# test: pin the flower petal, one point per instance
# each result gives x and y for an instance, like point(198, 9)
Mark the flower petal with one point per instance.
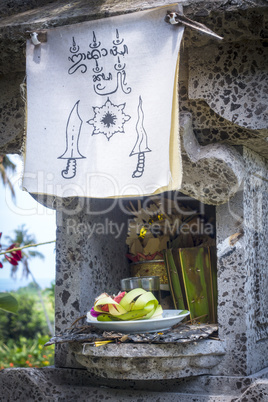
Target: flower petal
point(114, 307)
point(94, 313)
point(11, 260)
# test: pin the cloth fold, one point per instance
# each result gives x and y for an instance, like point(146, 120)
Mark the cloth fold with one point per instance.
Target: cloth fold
point(102, 108)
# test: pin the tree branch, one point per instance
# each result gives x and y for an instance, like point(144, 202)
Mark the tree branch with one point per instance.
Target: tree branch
point(27, 246)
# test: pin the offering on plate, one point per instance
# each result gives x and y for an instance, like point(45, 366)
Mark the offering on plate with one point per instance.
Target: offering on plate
point(138, 304)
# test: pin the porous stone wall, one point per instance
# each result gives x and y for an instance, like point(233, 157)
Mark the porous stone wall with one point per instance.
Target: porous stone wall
point(212, 173)
point(222, 83)
point(215, 81)
point(12, 114)
point(242, 273)
point(89, 260)
point(86, 262)
point(223, 88)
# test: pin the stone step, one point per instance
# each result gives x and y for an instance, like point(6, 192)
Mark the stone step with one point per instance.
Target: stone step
point(70, 394)
point(257, 392)
point(68, 385)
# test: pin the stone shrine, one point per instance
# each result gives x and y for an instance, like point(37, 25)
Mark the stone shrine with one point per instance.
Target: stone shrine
point(223, 95)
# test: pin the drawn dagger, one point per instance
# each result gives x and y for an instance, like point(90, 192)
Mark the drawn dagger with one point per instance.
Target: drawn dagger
point(72, 153)
point(141, 145)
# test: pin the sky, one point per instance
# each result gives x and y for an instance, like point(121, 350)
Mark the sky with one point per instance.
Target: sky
point(40, 222)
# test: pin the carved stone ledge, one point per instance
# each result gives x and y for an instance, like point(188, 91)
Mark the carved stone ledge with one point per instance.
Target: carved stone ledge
point(213, 173)
point(151, 361)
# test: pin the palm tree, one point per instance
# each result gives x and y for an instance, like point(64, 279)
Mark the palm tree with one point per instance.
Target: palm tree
point(5, 166)
point(23, 238)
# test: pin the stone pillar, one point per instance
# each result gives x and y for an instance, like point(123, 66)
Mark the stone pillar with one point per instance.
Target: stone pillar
point(90, 259)
point(11, 113)
point(242, 272)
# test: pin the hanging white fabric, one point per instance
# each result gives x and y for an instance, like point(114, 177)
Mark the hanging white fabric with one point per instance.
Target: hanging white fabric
point(102, 111)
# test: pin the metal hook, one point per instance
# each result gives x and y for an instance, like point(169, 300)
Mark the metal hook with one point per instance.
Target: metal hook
point(178, 18)
point(34, 39)
point(37, 37)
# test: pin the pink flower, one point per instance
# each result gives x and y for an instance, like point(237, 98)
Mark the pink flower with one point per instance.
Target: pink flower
point(94, 313)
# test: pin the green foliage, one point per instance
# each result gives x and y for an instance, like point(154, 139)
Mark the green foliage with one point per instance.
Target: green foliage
point(24, 238)
point(29, 290)
point(23, 335)
point(26, 353)
point(7, 166)
point(28, 321)
point(8, 303)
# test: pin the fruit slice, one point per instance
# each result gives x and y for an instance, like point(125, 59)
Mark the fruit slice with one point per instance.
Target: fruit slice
point(114, 308)
point(138, 304)
point(129, 298)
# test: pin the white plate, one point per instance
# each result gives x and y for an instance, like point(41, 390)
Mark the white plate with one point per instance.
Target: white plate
point(169, 318)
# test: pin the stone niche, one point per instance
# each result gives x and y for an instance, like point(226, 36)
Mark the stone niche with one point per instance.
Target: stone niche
point(89, 262)
point(223, 90)
point(86, 262)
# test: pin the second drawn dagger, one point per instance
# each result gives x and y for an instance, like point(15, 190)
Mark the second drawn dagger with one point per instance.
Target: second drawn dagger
point(141, 145)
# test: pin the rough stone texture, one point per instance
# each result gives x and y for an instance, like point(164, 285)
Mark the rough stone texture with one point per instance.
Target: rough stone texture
point(51, 384)
point(242, 273)
point(211, 173)
point(212, 90)
point(85, 264)
point(256, 257)
point(228, 94)
point(258, 391)
point(11, 113)
point(147, 362)
point(90, 257)
point(232, 79)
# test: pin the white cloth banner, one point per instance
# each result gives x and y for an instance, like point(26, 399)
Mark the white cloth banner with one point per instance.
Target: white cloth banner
point(102, 116)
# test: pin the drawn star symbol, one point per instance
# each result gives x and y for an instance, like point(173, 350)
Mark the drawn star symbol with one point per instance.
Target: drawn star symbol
point(109, 119)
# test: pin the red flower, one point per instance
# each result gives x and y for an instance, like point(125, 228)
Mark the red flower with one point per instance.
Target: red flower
point(1, 265)
point(11, 260)
point(15, 256)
